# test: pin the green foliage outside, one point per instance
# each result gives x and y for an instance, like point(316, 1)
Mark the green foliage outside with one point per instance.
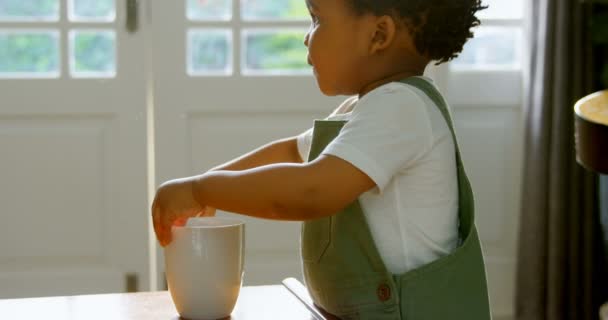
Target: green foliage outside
point(94, 52)
point(209, 9)
point(25, 53)
point(282, 51)
point(50, 8)
point(93, 8)
point(29, 8)
point(277, 51)
point(273, 9)
point(251, 9)
point(209, 52)
point(40, 53)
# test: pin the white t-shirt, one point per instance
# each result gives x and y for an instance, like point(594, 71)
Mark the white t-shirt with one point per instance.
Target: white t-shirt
point(398, 137)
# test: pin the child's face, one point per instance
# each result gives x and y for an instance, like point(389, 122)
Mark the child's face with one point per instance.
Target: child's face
point(337, 46)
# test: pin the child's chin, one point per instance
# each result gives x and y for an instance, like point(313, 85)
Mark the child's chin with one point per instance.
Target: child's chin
point(329, 94)
point(333, 93)
point(326, 91)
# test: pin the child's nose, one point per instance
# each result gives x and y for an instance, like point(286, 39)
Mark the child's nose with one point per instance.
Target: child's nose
point(306, 39)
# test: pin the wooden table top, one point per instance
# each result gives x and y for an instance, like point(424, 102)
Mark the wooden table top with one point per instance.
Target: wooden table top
point(254, 303)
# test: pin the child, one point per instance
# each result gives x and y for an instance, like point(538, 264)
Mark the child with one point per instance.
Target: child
point(386, 206)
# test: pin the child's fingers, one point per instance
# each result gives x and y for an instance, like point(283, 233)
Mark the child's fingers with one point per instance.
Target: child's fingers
point(180, 222)
point(166, 221)
point(206, 212)
point(160, 228)
point(209, 212)
point(156, 222)
point(165, 238)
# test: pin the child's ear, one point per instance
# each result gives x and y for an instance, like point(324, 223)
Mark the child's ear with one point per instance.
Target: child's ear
point(383, 33)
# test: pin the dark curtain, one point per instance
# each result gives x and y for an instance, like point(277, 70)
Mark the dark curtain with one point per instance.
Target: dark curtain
point(604, 210)
point(561, 272)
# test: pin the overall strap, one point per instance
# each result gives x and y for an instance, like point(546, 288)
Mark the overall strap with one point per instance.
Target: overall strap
point(467, 213)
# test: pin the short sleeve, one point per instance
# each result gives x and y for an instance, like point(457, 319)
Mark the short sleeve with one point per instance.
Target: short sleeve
point(389, 131)
point(304, 141)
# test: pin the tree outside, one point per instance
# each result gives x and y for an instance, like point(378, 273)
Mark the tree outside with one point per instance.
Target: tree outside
point(35, 52)
point(31, 9)
point(29, 53)
point(94, 52)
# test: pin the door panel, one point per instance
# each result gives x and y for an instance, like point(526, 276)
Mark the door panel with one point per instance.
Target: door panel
point(73, 147)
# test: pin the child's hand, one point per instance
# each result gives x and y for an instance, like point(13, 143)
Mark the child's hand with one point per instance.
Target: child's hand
point(173, 204)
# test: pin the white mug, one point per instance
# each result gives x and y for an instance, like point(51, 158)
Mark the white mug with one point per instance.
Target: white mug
point(204, 266)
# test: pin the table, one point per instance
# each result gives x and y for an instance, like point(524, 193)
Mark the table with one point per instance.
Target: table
point(254, 303)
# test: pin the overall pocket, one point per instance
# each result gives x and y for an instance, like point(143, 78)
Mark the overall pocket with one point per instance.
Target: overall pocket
point(316, 237)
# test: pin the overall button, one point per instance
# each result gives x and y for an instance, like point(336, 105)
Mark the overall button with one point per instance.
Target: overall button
point(384, 292)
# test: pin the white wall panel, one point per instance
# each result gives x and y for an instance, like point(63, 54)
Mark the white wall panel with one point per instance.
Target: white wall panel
point(490, 141)
point(56, 197)
point(54, 170)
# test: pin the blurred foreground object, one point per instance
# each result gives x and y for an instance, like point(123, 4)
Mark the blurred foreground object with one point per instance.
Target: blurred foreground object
point(591, 131)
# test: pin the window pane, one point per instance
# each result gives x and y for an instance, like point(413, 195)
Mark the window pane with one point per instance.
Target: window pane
point(29, 10)
point(269, 52)
point(502, 9)
point(92, 53)
point(209, 10)
point(274, 10)
point(492, 48)
point(209, 52)
point(29, 54)
point(92, 10)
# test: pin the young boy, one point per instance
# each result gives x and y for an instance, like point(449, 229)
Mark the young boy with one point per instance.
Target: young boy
point(387, 209)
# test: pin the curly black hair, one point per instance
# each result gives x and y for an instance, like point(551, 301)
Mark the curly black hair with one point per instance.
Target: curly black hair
point(440, 27)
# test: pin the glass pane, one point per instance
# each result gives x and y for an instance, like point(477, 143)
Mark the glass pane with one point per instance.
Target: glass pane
point(209, 10)
point(209, 52)
point(274, 52)
point(274, 10)
point(92, 53)
point(502, 9)
point(492, 48)
point(29, 10)
point(92, 10)
point(29, 54)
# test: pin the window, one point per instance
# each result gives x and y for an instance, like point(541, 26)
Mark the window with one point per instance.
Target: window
point(489, 71)
point(260, 37)
point(33, 38)
point(498, 41)
point(264, 37)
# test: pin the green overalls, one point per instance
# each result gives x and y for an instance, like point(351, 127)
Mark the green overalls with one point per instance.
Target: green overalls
point(346, 276)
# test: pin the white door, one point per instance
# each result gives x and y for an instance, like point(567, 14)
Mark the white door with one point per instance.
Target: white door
point(231, 75)
point(72, 148)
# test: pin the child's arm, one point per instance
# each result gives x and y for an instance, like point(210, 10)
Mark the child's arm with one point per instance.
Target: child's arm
point(281, 191)
point(279, 151)
point(284, 191)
